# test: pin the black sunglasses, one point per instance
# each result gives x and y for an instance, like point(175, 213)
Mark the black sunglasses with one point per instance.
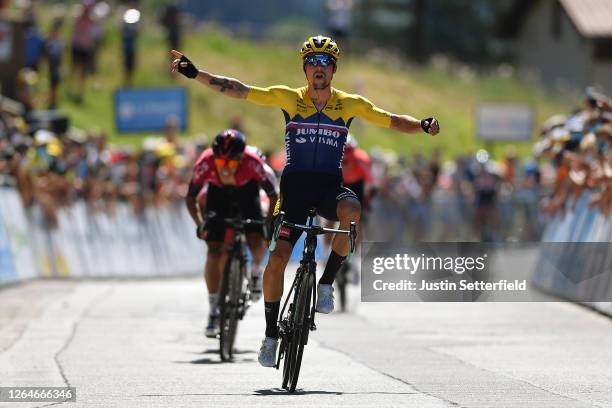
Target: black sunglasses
point(323, 60)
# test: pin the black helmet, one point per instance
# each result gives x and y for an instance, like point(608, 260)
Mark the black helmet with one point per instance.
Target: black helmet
point(228, 144)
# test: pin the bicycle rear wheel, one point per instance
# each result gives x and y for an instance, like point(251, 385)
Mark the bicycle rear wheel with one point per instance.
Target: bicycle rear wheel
point(229, 305)
point(302, 321)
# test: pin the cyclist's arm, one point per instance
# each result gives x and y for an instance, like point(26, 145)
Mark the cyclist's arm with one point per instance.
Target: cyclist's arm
point(406, 124)
point(192, 203)
point(228, 86)
point(266, 178)
point(402, 123)
point(277, 95)
point(280, 96)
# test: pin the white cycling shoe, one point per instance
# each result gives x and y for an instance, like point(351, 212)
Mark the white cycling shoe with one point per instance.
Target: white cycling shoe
point(267, 352)
point(325, 298)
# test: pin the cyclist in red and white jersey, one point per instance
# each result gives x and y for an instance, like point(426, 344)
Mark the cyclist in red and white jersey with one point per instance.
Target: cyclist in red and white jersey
point(224, 175)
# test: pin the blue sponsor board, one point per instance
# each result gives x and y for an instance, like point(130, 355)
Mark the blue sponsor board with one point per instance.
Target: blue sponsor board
point(7, 267)
point(148, 109)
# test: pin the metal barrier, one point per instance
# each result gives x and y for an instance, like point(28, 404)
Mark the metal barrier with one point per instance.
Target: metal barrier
point(96, 244)
point(574, 261)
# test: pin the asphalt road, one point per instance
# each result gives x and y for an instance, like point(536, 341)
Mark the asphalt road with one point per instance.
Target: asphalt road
point(140, 343)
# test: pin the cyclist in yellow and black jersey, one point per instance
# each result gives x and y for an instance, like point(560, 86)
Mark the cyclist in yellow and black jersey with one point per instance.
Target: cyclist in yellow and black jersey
point(317, 119)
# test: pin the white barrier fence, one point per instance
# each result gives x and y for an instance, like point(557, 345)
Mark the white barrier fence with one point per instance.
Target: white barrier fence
point(159, 242)
point(577, 262)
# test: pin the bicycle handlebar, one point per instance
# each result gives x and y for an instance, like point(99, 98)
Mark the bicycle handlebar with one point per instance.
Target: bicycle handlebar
point(316, 230)
point(236, 222)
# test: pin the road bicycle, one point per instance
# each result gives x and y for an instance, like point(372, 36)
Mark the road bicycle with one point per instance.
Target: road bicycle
point(234, 296)
point(295, 325)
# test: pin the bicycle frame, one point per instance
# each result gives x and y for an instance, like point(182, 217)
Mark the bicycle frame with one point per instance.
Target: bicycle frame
point(307, 265)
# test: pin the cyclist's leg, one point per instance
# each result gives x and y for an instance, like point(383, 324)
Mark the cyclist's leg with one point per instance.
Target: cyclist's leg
point(213, 269)
point(250, 207)
point(344, 206)
point(295, 202)
point(359, 189)
point(327, 238)
point(216, 201)
point(273, 279)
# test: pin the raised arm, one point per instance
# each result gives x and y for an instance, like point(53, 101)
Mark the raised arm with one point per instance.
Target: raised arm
point(402, 123)
point(228, 86)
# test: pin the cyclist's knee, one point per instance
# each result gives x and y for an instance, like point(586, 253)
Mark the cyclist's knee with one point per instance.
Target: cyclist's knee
point(349, 209)
point(280, 256)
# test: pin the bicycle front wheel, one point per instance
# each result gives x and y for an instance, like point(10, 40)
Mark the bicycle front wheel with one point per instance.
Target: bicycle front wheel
point(303, 320)
point(229, 305)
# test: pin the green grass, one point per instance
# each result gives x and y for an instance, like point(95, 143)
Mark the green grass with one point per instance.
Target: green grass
point(398, 87)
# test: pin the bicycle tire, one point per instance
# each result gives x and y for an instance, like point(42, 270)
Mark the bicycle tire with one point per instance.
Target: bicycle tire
point(287, 341)
point(229, 307)
point(303, 317)
point(341, 282)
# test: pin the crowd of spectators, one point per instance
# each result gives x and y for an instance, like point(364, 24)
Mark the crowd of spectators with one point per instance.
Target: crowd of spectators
point(469, 198)
point(54, 170)
point(579, 146)
point(76, 35)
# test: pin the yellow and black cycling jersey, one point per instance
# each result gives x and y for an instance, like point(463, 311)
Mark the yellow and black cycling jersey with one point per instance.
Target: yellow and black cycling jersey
point(315, 140)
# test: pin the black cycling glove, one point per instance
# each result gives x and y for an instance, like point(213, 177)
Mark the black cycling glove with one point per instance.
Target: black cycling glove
point(426, 124)
point(189, 70)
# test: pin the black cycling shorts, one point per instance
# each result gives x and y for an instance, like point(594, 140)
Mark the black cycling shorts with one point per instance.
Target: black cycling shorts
point(301, 191)
point(359, 189)
point(221, 200)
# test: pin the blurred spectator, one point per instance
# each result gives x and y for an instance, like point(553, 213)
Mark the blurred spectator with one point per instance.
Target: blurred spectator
point(84, 37)
point(340, 13)
point(34, 43)
point(129, 37)
point(100, 12)
point(486, 188)
point(170, 19)
point(54, 50)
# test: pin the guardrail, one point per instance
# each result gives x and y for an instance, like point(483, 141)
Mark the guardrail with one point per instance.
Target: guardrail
point(160, 242)
point(574, 261)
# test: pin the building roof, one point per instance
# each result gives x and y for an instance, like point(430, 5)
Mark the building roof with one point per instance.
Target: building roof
point(592, 18)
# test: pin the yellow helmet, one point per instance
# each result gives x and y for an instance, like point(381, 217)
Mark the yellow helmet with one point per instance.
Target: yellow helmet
point(322, 44)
